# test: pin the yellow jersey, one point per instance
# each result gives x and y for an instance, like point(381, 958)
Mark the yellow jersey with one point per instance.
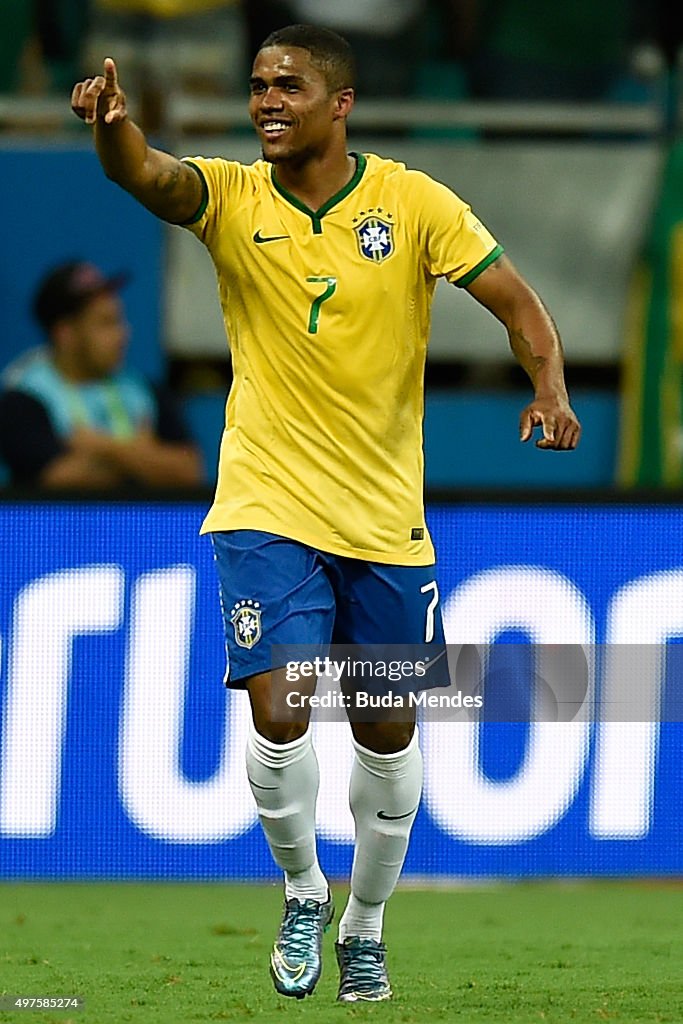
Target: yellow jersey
point(327, 314)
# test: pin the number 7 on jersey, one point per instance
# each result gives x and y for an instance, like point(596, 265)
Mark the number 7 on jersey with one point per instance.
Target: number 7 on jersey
point(331, 288)
point(431, 608)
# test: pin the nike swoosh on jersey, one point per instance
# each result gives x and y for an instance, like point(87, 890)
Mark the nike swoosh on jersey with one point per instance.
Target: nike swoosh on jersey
point(260, 239)
point(395, 817)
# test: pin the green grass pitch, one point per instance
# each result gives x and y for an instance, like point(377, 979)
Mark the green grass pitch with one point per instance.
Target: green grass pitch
point(163, 953)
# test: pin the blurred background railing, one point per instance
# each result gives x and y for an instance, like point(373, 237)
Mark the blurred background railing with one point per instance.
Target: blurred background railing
point(187, 113)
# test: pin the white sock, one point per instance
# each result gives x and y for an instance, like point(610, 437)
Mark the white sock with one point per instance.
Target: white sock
point(284, 779)
point(389, 785)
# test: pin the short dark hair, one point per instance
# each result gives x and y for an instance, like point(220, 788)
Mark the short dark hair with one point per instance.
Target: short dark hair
point(330, 52)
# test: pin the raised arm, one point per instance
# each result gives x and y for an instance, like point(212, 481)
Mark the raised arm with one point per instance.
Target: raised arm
point(169, 188)
point(536, 344)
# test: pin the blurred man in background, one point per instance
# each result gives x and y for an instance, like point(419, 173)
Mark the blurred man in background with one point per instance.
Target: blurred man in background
point(70, 416)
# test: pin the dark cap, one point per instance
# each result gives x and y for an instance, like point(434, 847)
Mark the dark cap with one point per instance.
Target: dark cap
point(68, 288)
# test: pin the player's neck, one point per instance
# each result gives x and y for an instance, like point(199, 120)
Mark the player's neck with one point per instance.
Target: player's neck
point(318, 178)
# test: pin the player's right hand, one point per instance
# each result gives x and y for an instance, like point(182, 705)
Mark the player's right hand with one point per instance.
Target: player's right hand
point(100, 97)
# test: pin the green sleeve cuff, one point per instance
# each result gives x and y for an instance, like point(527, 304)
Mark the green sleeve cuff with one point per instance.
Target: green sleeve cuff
point(476, 271)
point(201, 210)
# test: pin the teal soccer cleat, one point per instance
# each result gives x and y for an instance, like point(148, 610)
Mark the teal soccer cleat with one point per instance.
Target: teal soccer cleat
point(296, 959)
point(363, 974)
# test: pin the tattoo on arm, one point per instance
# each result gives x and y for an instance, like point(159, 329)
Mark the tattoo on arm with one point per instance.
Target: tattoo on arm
point(521, 347)
point(172, 191)
point(167, 179)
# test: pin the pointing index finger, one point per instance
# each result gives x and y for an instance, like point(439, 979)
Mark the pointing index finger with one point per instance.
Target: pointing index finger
point(110, 75)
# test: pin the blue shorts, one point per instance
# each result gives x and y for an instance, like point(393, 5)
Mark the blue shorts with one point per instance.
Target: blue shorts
point(277, 592)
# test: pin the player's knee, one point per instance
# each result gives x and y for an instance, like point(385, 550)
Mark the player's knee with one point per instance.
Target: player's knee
point(384, 737)
point(281, 732)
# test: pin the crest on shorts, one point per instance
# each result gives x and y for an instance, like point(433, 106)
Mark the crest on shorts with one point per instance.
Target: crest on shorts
point(375, 239)
point(246, 619)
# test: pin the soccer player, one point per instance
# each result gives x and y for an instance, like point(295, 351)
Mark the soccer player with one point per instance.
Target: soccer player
point(327, 262)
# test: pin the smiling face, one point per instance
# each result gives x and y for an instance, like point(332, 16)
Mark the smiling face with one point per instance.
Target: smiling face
point(295, 113)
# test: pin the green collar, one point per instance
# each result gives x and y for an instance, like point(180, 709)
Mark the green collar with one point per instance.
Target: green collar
point(317, 215)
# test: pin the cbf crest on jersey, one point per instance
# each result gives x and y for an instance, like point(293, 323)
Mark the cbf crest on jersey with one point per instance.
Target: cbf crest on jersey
point(375, 238)
point(246, 619)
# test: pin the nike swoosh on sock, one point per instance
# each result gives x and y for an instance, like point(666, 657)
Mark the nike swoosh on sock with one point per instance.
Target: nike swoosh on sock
point(395, 817)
